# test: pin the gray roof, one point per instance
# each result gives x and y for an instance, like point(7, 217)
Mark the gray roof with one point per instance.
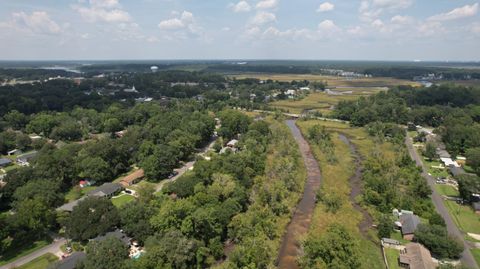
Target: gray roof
point(117, 234)
point(106, 189)
point(456, 171)
point(5, 161)
point(409, 223)
point(71, 261)
point(69, 206)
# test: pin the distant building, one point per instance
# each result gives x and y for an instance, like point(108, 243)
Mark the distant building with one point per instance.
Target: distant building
point(408, 223)
point(132, 90)
point(132, 178)
point(70, 262)
point(154, 69)
point(456, 171)
point(106, 190)
point(416, 256)
point(119, 234)
point(232, 143)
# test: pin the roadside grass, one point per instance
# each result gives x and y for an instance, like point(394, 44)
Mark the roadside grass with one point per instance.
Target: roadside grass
point(444, 189)
point(335, 180)
point(14, 253)
point(392, 258)
point(331, 80)
point(435, 172)
point(41, 262)
point(476, 254)
point(122, 200)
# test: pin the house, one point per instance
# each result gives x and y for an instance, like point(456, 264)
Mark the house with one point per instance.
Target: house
point(35, 137)
point(449, 161)
point(5, 162)
point(132, 178)
point(70, 262)
point(84, 183)
point(107, 190)
point(290, 93)
point(132, 90)
point(408, 224)
point(70, 206)
point(119, 234)
point(25, 159)
point(456, 171)
point(13, 152)
point(304, 88)
point(415, 256)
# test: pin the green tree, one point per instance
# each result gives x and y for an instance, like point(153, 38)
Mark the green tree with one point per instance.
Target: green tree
point(135, 220)
point(438, 241)
point(385, 227)
point(95, 168)
point(33, 216)
point(106, 254)
point(15, 119)
point(23, 141)
point(473, 159)
point(91, 217)
point(112, 125)
point(468, 185)
point(161, 164)
point(430, 151)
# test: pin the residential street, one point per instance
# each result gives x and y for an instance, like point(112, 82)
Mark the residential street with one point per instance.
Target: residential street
point(52, 248)
point(467, 257)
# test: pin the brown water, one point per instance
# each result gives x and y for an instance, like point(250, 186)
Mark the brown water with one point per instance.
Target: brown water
point(298, 226)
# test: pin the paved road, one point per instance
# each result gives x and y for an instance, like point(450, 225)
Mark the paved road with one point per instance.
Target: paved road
point(52, 248)
point(467, 258)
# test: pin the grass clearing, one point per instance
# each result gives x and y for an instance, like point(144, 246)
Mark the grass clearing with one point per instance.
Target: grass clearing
point(16, 252)
point(476, 254)
point(331, 80)
point(392, 257)
point(336, 181)
point(122, 200)
point(41, 262)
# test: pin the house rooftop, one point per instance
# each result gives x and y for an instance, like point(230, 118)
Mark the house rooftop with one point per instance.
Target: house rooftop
point(105, 190)
point(27, 156)
point(409, 223)
point(119, 234)
point(456, 171)
point(71, 261)
point(134, 176)
point(416, 256)
point(69, 206)
point(5, 161)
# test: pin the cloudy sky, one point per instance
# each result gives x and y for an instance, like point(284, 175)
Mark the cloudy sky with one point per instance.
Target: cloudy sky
point(240, 29)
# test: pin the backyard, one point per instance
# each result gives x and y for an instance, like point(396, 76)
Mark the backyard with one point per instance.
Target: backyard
point(121, 200)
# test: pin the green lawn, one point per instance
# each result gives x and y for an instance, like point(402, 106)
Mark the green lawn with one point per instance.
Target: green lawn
point(121, 200)
point(435, 172)
point(392, 258)
point(76, 193)
point(398, 236)
point(476, 254)
point(464, 216)
point(16, 252)
point(41, 262)
point(447, 190)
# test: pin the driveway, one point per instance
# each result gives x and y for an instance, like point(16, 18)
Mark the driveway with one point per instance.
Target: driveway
point(52, 248)
point(467, 257)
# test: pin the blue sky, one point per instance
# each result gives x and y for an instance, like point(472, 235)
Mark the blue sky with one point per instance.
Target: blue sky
point(240, 29)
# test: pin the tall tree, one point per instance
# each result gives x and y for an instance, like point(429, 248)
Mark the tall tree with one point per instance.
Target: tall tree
point(106, 254)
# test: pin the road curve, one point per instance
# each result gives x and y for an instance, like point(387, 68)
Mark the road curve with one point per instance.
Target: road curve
point(467, 257)
point(52, 248)
point(298, 226)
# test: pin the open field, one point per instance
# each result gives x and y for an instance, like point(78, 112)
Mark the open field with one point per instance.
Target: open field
point(321, 101)
point(335, 178)
point(476, 254)
point(41, 262)
point(333, 81)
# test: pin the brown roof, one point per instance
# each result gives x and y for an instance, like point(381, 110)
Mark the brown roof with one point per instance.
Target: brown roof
point(133, 176)
point(416, 256)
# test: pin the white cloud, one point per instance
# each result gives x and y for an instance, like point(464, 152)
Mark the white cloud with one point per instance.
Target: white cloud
point(263, 18)
point(371, 10)
point(267, 4)
point(171, 24)
point(430, 28)
point(457, 13)
point(398, 19)
point(38, 22)
point(324, 7)
point(327, 26)
point(104, 11)
point(241, 6)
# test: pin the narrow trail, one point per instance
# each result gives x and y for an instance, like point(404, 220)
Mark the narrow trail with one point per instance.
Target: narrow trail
point(356, 188)
point(302, 218)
